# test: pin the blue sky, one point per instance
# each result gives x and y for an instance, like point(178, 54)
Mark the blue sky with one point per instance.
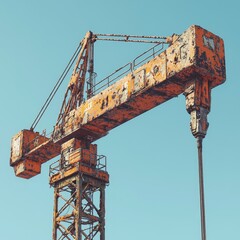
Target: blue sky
point(152, 160)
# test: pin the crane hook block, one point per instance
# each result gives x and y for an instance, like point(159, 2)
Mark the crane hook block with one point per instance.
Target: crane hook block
point(198, 102)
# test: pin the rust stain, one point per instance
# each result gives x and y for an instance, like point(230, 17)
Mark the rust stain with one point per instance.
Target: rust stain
point(196, 54)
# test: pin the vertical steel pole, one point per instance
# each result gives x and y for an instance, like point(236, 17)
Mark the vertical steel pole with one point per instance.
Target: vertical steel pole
point(78, 202)
point(201, 188)
point(102, 212)
point(55, 210)
point(90, 82)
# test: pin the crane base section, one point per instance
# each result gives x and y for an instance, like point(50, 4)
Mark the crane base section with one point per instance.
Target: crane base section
point(79, 208)
point(79, 179)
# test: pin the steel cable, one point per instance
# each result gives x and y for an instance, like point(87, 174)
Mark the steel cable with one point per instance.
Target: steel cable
point(55, 88)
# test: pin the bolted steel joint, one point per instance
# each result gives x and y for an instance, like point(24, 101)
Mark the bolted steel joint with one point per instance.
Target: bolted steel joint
point(198, 122)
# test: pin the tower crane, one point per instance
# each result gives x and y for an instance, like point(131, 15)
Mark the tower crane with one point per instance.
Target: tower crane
point(192, 63)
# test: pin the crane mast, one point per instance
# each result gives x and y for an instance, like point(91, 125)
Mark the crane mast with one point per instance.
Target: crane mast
point(192, 64)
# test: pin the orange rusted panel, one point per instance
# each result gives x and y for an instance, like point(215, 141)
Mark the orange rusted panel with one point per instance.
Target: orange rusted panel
point(98, 174)
point(30, 149)
point(61, 175)
point(73, 144)
point(75, 156)
point(27, 168)
point(76, 150)
point(82, 155)
point(44, 151)
point(24, 142)
point(198, 94)
point(196, 54)
point(210, 56)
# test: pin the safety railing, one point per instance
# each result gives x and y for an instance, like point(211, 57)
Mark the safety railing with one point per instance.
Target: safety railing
point(126, 69)
point(54, 168)
point(98, 162)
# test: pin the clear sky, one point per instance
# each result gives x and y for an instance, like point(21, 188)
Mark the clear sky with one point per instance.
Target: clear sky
point(152, 160)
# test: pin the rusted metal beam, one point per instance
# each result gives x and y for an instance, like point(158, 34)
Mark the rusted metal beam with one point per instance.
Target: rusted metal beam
point(197, 53)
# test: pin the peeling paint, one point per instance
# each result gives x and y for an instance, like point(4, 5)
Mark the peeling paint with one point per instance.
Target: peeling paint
point(196, 54)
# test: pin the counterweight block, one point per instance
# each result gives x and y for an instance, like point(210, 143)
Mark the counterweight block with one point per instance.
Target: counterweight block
point(29, 150)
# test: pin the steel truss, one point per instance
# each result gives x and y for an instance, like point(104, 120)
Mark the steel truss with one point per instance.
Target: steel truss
point(79, 208)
